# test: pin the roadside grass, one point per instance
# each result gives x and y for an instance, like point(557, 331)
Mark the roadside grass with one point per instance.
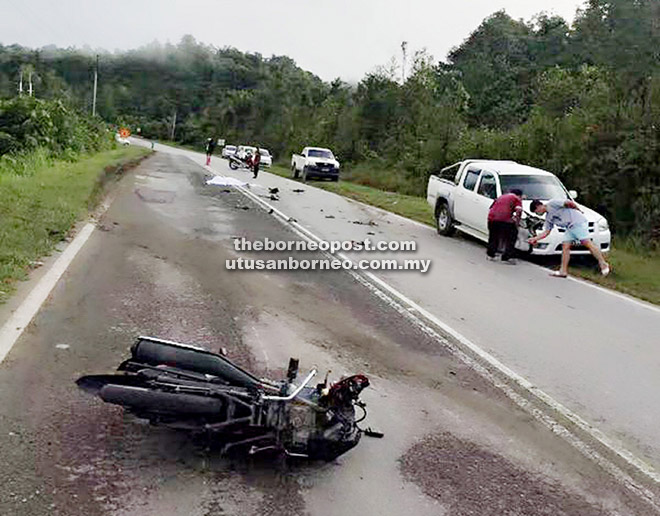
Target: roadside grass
point(409, 206)
point(39, 207)
point(635, 271)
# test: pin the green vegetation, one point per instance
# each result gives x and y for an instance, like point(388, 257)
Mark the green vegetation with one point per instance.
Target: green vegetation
point(51, 129)
point(52, 159)
point(580, 98)
point(635, 272)
point(38, 208)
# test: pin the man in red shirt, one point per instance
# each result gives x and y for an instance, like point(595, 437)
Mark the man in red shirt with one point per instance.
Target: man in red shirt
point(256, 159)
point(503, 218)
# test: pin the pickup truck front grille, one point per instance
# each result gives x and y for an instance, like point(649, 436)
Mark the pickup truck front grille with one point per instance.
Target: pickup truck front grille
point(324, 166)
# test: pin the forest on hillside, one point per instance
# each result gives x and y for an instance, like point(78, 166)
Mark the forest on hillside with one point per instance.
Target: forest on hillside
point(580, 98)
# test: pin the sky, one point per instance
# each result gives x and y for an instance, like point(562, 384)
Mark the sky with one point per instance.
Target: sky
point(331, 38)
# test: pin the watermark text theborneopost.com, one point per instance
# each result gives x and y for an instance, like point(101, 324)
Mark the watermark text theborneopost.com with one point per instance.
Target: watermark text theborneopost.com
point(330, 263)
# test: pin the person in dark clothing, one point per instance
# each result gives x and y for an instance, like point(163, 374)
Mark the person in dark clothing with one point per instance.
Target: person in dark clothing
point(256, 159)
point(210, 147)
point(503, 218)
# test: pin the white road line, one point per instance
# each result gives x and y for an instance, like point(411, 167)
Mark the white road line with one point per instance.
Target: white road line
point(24, 314)
point(398, 300)
point(605, 290)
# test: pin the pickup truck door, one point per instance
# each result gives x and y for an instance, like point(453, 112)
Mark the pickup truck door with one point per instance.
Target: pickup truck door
point(299, 160)
point(487, 192)
point(465, 196)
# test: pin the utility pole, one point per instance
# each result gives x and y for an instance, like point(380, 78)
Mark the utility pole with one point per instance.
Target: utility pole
point(173, 126)
point(20, 82)
point(30, 82)
point(96, 78)
point(404, 47)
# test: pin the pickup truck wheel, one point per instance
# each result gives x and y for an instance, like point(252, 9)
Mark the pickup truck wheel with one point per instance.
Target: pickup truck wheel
point(295, 172)
point(304, 174)
point(444, 222)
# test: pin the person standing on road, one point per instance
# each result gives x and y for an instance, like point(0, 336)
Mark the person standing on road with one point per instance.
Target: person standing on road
point(210, 147)
point(567, 214)
point(256, 159)
point(503, 218)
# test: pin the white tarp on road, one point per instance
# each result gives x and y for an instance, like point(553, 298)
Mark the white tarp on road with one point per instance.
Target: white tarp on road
point(225, 181)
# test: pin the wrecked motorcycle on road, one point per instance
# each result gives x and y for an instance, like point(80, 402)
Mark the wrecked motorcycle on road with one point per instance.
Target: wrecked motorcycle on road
point(235, 162)
point(190, 388)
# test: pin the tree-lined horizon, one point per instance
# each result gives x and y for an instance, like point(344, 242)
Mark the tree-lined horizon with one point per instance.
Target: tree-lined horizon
point(580, 99)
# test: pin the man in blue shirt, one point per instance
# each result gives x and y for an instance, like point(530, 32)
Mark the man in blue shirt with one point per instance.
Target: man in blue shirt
point(567, 215)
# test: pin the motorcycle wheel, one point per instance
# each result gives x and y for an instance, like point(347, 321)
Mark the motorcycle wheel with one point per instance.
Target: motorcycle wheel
point(233, 165)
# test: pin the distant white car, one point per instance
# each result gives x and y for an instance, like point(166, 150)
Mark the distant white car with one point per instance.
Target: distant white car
point(228, 150)
point(266, 157)
point(120, 140)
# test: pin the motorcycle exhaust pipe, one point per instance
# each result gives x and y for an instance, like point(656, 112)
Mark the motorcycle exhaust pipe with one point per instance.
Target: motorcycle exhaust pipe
point(148, 400)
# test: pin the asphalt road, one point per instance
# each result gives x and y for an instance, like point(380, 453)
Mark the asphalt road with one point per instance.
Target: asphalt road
point(596, 353)
point(156, 265)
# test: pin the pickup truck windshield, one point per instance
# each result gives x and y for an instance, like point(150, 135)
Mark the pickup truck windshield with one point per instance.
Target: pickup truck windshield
point(316, 153)
point(534, 187)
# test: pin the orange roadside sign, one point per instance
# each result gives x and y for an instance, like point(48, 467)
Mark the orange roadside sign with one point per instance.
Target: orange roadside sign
point(124, 132)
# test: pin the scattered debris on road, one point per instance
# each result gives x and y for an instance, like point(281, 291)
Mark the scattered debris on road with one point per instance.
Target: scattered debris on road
point(369, 223)
point(297, 190)
point(372, 433)
point(329, 216)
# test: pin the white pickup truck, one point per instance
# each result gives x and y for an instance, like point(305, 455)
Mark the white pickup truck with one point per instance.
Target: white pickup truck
point(315, 162)
point(463, 193)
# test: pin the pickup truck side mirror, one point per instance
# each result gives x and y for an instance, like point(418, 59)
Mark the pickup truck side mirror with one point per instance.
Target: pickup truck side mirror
point(573, 194)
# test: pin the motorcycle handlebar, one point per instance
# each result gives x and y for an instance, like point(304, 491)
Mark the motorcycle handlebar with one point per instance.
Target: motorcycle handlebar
point(295, 393)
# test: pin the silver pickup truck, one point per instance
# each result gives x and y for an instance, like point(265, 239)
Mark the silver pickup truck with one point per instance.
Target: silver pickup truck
point(462, 194)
